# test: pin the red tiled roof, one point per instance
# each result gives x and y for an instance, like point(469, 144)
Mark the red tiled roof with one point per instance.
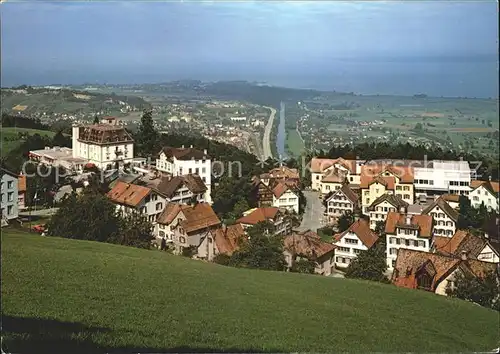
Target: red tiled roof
point(279, 189)
point(318, 165)
point(451, 197)
point(284, 172)
point(307, 244)
point(259, 215)
point(184, 153)
point(462, 241)
point(199, 217)
point(362, 229)
point(228, 239)
point(373, 171)
point(394, 200)
point(424, 222)
point(128, 194)
point(493, 187)
point(170, 212)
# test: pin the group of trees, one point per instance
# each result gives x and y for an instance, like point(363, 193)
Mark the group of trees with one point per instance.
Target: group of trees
point(483, 291)
point(91, 216)
point(473, 218)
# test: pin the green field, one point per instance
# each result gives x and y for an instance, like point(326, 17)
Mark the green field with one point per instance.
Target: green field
point(8, 134)
point(294, 143)
point(90, 297)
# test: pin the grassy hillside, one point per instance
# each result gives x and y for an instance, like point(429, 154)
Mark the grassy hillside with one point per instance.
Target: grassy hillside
point(72, 295)
point(9, 134)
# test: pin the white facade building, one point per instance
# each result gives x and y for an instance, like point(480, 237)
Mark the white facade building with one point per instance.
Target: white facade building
point(9, 194)
point(484, 192)
point(183, 161)
point(104, 145)
point(445, 218)
point(440, 177)
point(356, 239)
point(285, 197)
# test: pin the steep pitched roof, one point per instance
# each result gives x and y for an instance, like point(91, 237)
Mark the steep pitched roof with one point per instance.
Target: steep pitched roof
point(395, 219)
point(284, 172)
point(372, 172)
point(394, 200)
point(169, 185)
point(462, 241)
point(349, 193)
point(128, 194)
point(447, 209)
point(184, 153)
point(333, 177)
point(5, 171)
point(195, 184)
point(362, 229)
point(307, 244)
point(259, 215)
point(455, 198)
point(199, 217)
point(228, 238)
point(318, 165)
point(170, 212)
point(492, 187)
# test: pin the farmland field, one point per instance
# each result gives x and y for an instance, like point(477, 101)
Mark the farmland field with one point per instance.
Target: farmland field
point(10, 137)
point(294, 143)
point(89, 297)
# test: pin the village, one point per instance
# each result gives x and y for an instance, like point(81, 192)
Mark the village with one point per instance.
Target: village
point(410, 208)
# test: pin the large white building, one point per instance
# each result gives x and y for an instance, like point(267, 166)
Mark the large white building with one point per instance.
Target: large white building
point(356, 239)
point(9, 194)
point(441, 177)
point(183, 161)
point(104, 145)
point(484, 192)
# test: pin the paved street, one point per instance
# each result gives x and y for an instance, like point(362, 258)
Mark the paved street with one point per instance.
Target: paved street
point(266, 141)
point(313, 215)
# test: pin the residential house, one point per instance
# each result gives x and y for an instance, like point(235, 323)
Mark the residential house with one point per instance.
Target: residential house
point(131, 197)
point(383, 205)
point(192, 229)
point(21, 196)
point(321, 167)
point(377, 180)
point(445, 217)
point(287, 175)
point(463, 242)
point(340, 202)
point(264, 195)
point(277, 217)
point(9, 195)
point(356, 239)
point(453, 200)
point(227, 239)
point(285, 197)
point(308, 245)
point(406, 231)
point(332, 181)
point(184, 189)
point(167, 220)
point(104, 145)
point(484, 192)
point(182, 161)
point(434, 272)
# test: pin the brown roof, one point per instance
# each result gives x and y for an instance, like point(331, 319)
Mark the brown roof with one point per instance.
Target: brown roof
point(259, 215)
point(195, 184)
point(128, 194)
point(451, 197)
point(170, 212)
point(348, 192)
point(395, 219)
point(280, 188)
point(409, 262)
point(228, 239)
point(372, 172)
point(21, 183)
point(462, 241)
point(199, 217)
point(493, 187)
point(447, 209)
point(307, 244)
point(394, 200)
point(169, 185)
point(184, 153)
point(318, 165)
point(102, 134)
point(284, 172)
point(333, 177)
point(362, 229)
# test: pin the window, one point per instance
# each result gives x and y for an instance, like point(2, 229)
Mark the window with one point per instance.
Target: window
point(393, 250)
point(406, 188)
point(415, 243)
point(197, 171)
point(148, 198)
point(9, 185)
point(144, 210)
point(421, 243)
point(376, 190)
point(351, 241)
point(190, 170)
point(317, 177)
point(392, 240)
point(367, 192)
point(475, 198)
point(159, 206)
point(431, 182)
point(10, 197)
point(203, 169)
point(406, 196)
point(356, 251)
point(407, 242)
point(344, 249)
point(398, 188)
point(367, 200)
point(162, 234)
point(182, 239)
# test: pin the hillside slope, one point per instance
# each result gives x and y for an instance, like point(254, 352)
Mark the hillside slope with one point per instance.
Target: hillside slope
point(85, 296)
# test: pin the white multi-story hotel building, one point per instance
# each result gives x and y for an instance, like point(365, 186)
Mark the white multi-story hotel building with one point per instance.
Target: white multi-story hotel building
point(183, 161)
point(104, 145)
point(441, 177)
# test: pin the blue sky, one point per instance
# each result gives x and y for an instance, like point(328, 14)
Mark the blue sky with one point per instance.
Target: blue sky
point(67, 37)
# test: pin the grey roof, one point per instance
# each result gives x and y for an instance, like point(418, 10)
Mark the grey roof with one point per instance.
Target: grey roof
point(395, 200)
point(448, 210)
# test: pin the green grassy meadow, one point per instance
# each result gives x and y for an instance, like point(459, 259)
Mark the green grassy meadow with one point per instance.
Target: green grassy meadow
point(294, 143)
point(80, 296)
point(10, 133)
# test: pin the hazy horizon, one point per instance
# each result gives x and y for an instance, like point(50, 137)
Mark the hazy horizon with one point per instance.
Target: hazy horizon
point(437, 48)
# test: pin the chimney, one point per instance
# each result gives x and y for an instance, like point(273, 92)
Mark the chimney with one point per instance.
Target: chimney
point(463, 255)
point(408, 219)
point(190, 146)
point(205, 152)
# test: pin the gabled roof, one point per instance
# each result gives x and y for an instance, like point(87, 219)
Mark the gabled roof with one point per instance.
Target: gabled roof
point(462, 241)
point(7, 172)
point(228, 238)
point(280, 189)
point(128, 194)
point(447, 209)
point(184, 153)
point(259, 215)
point(307, 244)
point(492, 187)
point(392, 199)
point(170, 212)
point(454, 198)
point(348, 192)
point(199, 217)
point(395, 219)
point(284, 172)
point(362, 229)
point(333, 177)
point(167, 186)
point(372, 172)
point(409, 262)
point(318, 165)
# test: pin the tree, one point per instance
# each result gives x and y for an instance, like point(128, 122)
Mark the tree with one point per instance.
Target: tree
point(147, 136)
point(418, 126)
point(135, 231)
point(96, 119)
point(483, 291)
point(344, 221)
point(369, 265)
point(380, 231)
point(303, 265)
point(240, 207)
point(263, 250)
